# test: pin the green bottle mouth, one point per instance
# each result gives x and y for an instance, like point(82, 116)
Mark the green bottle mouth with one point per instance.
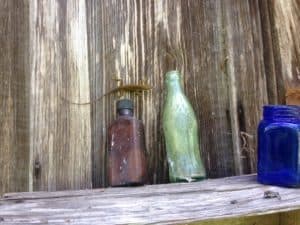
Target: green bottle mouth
point(173, 75)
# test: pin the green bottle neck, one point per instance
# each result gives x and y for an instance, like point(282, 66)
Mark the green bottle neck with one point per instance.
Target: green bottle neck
point(174, 87)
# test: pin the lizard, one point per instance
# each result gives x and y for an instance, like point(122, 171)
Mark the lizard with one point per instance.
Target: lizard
point(121, 88)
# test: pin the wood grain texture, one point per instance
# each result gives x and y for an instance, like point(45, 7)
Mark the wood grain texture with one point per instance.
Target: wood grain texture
point(246, 78)
point(293, 96)
point(287, 27)
point(281, 24)
point(60, 133)
point(234, 55)
point(156, 204)
point(272, 219)
point(290, 218)
point(220, 49)
point(14, 95)
point(268, 52)
point(172, 35)
point(206, 83)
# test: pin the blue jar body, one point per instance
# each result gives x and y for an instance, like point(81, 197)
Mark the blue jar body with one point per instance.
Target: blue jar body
point(278, 146)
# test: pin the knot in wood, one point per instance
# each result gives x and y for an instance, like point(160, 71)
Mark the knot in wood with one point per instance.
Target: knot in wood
point(272, 194)
point(233, 202)
point(37, 168)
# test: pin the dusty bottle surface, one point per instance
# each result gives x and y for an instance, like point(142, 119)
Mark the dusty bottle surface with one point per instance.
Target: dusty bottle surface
point(126, 148)
point(181, 134)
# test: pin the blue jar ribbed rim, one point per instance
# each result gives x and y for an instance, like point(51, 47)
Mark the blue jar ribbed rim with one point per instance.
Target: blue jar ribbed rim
point(282, 113)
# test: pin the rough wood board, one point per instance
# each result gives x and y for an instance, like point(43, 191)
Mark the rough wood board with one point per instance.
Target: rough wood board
point(14, 95)
point(290, 218)
point(60, 135)
point(287, 27)
point(281, 26)
point(138, 41)
point(247, 82)
point(229, 53)
point(285, 218)
point(231, 56)
point(268, 52)
point(170, 203)
point(293, 96)
point(98, 87)
point(272, 219)
point(206, 83)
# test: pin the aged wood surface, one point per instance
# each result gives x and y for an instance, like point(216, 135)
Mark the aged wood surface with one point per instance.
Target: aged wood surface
point(293, 96)
point(272, 219)
point(234, 55)
point(290, 218)
point(281, 43)
point(60, 134)
point(150, 37)
point(246, 75)
point(206, 83)
point(14, 93)
point(169, 203)
point(283, 218)
point(286, 31)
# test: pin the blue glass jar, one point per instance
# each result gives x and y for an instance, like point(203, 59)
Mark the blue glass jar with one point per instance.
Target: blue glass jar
point(279, 146)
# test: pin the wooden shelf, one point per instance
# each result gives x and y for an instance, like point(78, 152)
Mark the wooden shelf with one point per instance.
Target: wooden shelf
point(164, 204)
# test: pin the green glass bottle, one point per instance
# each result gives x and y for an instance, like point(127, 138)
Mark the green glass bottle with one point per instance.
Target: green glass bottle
point(181, 133)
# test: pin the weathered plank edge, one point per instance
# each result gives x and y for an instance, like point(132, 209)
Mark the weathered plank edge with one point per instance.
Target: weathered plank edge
point(164, 204)
point(126, 191)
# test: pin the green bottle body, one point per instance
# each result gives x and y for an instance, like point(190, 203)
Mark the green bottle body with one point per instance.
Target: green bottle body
point(181, 134)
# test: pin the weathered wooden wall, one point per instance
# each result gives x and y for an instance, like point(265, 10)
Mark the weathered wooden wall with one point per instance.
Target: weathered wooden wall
point(235, 56)
point(14, 96)
point(60, 133)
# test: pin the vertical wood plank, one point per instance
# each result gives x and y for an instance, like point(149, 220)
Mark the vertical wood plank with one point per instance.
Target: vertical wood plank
point(135, 40)
point(60, 131)
point(293, 96)
point(281, 25)
point(287, 27)
point(141, 40)
point(100, 76)
point(290, 218)
point(14, 101)
point(234, 55)
point(123, 45)
point(206, 83)
point(268, 52)
point(247, 80)
point(272, 219)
